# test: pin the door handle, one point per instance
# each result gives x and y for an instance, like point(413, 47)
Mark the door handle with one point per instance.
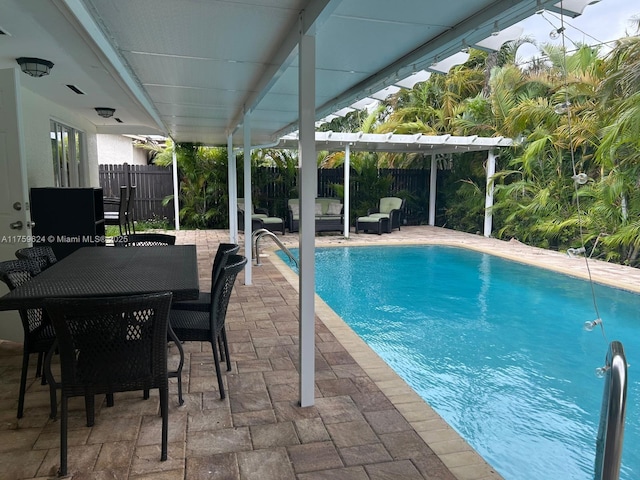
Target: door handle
point(16, 225)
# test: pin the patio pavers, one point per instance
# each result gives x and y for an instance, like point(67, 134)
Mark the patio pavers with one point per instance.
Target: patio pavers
point(366, 422)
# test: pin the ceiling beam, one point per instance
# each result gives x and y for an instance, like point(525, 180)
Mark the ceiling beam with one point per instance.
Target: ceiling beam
point(314, 14)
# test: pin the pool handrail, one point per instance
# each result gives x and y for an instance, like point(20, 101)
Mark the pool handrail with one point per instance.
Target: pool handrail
point(614, 403)
point(261, 232)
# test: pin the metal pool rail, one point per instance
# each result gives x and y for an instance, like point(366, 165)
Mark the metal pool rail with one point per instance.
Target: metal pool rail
point(262, 232)
point(614, 404)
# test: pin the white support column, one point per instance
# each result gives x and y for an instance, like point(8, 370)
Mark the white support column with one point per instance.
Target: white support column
point(432, 190)
point(488, 201)
point(176, 190)
point(248, 205)
point(308, 187)
point(347, 171)
point(233, 191)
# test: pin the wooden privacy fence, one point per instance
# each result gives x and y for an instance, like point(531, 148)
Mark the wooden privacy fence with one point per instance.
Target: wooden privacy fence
point(152, 183)
point(271, 188)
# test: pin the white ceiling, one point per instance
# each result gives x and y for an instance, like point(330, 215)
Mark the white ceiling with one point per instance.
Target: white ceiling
point(190, 68)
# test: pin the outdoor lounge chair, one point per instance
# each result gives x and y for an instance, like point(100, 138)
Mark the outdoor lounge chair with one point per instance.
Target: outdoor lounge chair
point(259, 219)
point(385, 218)
point(209, 326)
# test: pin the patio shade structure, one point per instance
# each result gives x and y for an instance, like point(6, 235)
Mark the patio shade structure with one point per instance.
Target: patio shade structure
point(426, 144)
point(268, 67)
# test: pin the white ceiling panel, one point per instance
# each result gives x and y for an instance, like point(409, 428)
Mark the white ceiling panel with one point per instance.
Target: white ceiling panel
point(191, 68)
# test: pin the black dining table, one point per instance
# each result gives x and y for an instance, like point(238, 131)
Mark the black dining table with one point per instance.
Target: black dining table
point(103, 271)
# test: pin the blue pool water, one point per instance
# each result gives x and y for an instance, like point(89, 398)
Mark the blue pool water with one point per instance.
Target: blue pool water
point(497, 348)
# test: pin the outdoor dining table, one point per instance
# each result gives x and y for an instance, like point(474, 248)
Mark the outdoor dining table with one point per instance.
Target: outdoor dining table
point(110, 271)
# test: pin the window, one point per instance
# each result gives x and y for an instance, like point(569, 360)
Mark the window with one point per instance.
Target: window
point(69, 158)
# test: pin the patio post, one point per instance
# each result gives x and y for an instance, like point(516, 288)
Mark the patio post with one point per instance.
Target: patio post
point(488, 201)
point(347, 163)
point(176, 190)
point(233, 190)
point(432, 190)
point(248, 204)
point(308, 187)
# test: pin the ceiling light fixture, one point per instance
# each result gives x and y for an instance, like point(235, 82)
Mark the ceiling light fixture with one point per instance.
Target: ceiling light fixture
point(105, 112)
point(35, 67)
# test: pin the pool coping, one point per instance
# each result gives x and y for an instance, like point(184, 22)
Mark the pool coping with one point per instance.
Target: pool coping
point(464, 462)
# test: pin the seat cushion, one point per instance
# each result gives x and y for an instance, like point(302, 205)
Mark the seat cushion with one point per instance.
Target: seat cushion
point(271, 220)
point(379, 215)
point(369, 219)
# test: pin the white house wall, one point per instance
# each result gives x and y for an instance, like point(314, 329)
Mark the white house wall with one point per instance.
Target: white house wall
point(37, 112)
point(117, 149)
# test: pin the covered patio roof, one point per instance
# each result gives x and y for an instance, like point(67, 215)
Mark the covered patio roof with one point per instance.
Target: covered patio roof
point(193, 69)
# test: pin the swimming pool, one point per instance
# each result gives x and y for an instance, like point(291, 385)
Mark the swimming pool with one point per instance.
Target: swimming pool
point(495, 347)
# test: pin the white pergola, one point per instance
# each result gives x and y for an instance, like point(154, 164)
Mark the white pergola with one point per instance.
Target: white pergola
point(426, 144)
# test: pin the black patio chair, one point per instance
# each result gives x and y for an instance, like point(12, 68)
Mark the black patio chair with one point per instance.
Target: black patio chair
point(43, 254)
point(209, 326)
point(39, 335)
point(129, 214)
point(144, 240)
point(119, 218)
point(203, 302)
point(107, 345)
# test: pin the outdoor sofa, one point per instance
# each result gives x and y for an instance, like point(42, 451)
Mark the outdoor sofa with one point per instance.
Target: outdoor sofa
point(329, 214)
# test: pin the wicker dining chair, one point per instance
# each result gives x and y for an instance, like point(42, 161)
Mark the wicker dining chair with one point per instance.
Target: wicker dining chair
point(209, 326)
point(38, 331)
point(144, 240)
point(109, 345)
point(43, 254)
point(203, 302)
point(119, 218)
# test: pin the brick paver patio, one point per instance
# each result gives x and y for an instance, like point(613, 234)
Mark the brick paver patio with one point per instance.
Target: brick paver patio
point(366, 422)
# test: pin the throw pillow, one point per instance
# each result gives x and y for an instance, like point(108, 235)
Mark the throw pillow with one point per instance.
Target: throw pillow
point(334, 208)
point(295, 208)
point(318, 209)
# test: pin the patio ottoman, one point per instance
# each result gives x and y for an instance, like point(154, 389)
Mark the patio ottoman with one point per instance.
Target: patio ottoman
point(372, 224)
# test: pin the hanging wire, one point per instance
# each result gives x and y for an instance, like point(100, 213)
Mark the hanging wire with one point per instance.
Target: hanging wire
point(598, 321)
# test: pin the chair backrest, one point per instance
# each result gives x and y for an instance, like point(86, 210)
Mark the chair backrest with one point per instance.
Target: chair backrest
point(220, 260)
point(122, 209)
point(144, 240)
point(111, 344)
point(15, 273)
point(389, 203)
point(221, 290)
point(241, 206)
point(131, 198)
point(43, 254)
